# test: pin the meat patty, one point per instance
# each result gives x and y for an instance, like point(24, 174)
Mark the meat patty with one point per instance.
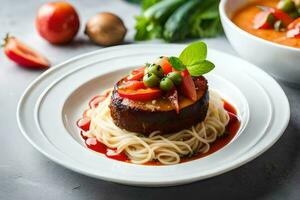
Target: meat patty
point(159, 115)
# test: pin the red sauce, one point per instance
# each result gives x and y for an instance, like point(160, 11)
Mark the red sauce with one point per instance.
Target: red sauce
point(97, 146)
point(231, 129)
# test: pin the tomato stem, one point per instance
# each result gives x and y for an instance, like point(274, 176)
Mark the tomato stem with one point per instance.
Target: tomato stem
point(5, 39)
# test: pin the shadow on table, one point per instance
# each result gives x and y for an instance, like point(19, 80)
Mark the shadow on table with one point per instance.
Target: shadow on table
point(256, 179)
point(81, 42)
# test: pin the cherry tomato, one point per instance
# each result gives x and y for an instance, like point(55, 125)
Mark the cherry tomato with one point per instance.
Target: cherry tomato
point(84, 123)
point(166, 66)
point(136, 75)
point(141, 94)
point(132, 85)
point(23, 55)
point(188, 87)
point(57, 22)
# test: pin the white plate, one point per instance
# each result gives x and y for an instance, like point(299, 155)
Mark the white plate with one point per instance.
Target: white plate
point(50, 106)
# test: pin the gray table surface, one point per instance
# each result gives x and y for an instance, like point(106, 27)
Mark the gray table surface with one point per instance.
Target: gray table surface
point(27, 174)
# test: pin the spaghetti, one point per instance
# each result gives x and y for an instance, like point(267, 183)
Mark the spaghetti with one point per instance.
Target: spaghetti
point(167, 149)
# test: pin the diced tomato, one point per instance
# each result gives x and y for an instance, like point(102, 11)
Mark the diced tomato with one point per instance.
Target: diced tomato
point(141, 94)
point(166, 66)
point(97, 99)
point(188, 86)
point(173, 97)
point(294, 33)
point(263, 20)
point(294, 24)
point(132, 85)
point(84, 123)
point(136, 75)
point(278, 15)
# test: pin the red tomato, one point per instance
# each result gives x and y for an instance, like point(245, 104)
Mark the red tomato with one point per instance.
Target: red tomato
point(136, 75)
point(188, 87)
point(84, 123)
point(23, 55)
point(132, 85)
point(263, 20)
point(141, 94)
point(57, 22)
point(166, 66)
point(294, 24)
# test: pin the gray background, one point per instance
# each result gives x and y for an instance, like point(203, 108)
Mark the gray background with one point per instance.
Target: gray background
point(26, 174)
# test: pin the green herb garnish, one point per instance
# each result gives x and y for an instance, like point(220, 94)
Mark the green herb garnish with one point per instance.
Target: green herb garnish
point(177, 63)
point(193, 58)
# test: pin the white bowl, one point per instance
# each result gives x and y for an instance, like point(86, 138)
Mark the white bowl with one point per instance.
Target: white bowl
point(283, 62)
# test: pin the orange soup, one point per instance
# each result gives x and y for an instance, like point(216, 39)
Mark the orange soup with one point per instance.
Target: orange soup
point(244, 18)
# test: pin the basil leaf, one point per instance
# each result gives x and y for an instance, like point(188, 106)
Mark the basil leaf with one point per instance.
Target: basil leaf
point(200, 68)
point(194, 53)
point(176, 63)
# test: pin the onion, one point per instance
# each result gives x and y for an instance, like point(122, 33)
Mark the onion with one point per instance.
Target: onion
point(106, 29)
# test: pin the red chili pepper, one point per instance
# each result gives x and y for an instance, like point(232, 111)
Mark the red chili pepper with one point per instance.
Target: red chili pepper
point(23, 55)
point(141, 94)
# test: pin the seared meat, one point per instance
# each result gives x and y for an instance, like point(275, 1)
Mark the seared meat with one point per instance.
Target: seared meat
point(159, 115)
